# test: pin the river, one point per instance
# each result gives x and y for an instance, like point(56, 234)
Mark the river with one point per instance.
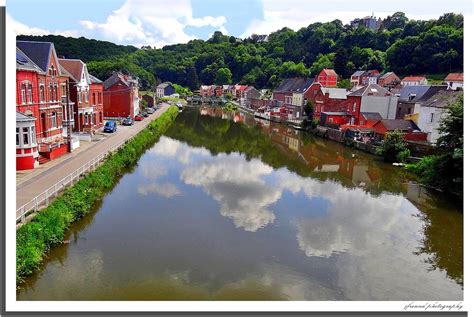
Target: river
point(225, 207)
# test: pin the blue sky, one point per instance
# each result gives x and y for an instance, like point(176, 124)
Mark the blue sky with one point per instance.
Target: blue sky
point(162, 22)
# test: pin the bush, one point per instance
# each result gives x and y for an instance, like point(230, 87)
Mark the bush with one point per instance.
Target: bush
point(35, 238)
point(394, 147)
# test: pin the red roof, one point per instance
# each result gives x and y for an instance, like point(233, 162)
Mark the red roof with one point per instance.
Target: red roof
point(413, 78)
point(329, 72)
point(73, 66)
point(455, 77)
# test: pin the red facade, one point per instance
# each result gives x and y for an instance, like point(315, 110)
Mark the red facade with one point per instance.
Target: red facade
point(96, 91)
point(118, 101)
point(327, 78)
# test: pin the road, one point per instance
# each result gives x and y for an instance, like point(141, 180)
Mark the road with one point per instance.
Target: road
point(41, 182)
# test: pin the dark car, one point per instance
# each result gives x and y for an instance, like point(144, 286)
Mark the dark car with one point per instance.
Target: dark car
point(127, 121)
point(144, 115)
point(110, 126)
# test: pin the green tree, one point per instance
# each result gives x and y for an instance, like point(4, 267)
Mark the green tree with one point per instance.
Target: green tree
point(308, 109)
point(394, 147)
point(323, 61)
point(192, 78)
point(445, 170)
point(223, 76)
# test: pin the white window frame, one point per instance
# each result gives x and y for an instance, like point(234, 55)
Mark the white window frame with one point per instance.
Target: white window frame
point(25, 134)
point(29, 88)
point(42, 95)
point(54, 120)
point(17, 136)
point(23, 93)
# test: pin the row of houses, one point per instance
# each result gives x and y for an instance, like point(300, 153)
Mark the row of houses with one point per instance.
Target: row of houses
point(58, 100)
point(378, 105)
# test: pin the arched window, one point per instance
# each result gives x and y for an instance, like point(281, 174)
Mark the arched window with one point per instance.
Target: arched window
point(42, 98)
point(23, 93)
point(30, 93)
point(50, 92)
point(54, 122)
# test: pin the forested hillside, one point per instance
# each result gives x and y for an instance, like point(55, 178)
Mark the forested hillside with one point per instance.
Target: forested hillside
point(400, 45)
point(82, 48)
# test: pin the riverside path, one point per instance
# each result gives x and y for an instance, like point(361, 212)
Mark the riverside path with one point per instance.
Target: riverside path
point(31, 188)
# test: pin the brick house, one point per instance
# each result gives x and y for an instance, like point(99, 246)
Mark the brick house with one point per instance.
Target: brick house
point(96, 89)
point(389, 80)
point(87, 117)
point(121, 96)
point(291, 94)
point(369, 77)
point(327, 78)
point(371, 98)
point(409, 128)
point(356, 78)
point(41, 93)
point(326, 99)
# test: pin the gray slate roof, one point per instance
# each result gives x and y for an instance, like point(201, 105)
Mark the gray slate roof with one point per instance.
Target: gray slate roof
point(295, 85)
point(399, 124)
point(371, 115)
point(38, 52)
point(359, 73)
point(421, 92)
point(386, 75)
point(25, 63)
point(163, 85)
point(335, 93)
point(20, 117)
point(442, 98)
point(94, 79)
point(372, 89)
point(112, 80)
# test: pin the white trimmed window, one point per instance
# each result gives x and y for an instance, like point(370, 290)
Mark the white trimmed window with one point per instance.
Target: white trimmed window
point(54, 122)
point(33, 135)
point(79, 97)
point(87, 96)
point(26, 136)
point(23, 93)
point(42, 97)
point(30, 93)
point(17, 136)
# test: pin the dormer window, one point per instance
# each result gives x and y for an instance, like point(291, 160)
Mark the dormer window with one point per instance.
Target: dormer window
point(411, 97)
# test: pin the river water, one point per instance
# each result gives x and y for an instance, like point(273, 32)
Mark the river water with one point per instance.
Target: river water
point(224, 207)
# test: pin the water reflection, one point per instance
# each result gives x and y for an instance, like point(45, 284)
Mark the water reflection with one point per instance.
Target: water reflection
point(257, 211)
point(238, 187)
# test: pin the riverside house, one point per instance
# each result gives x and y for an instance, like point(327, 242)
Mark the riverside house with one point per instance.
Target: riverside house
point(40, 91)
point(121, 96)
point(88, 117)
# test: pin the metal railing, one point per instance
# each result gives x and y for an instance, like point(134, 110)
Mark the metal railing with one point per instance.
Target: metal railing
point(42, 200)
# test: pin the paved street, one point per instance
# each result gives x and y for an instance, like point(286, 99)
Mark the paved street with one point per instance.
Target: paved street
point(35, 185)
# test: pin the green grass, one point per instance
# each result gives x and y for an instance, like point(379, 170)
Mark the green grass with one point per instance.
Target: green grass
point(36, 237)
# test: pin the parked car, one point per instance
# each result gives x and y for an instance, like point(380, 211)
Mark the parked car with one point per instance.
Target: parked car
point(150, 110)
point(127, 121)
point(144, 115)
point(138, 117)
point(110, 126)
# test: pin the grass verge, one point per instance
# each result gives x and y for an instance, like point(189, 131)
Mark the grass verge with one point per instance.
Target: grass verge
point(36, 237)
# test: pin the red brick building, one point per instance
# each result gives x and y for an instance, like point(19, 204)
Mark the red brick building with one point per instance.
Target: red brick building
point(87, 117)
point(120, 96)
point(41, 94)
point(327, 78)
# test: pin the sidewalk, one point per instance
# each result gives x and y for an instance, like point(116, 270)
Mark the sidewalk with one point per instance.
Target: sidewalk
point(30, 185)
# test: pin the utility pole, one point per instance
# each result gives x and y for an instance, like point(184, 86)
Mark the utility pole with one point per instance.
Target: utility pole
point(68, 116)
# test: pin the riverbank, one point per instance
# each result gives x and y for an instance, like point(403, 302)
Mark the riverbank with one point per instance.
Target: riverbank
point(35, 238)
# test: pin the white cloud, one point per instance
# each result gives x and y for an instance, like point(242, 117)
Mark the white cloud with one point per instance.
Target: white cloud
point(243, 196)
point(167, 190)
point(175, 149)
point(21, 28)
point(296, 14)
point(156, 23)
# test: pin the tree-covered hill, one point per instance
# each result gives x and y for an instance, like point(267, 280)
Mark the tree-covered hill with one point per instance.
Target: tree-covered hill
point(82, 48)
point(400, 45)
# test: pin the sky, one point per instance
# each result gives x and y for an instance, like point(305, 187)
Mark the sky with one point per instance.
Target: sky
point(163, 22)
